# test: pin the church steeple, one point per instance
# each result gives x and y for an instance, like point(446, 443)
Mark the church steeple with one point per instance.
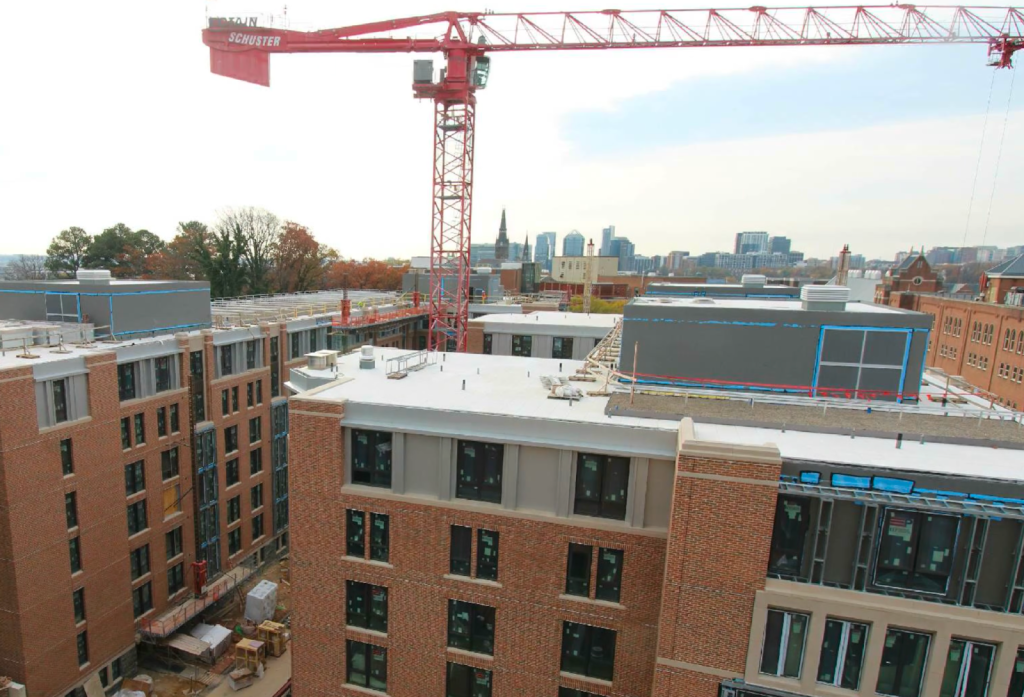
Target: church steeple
point(501, 244)
point(526, 249)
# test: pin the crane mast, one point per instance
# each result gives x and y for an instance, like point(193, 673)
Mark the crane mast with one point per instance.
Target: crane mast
point(242, 52)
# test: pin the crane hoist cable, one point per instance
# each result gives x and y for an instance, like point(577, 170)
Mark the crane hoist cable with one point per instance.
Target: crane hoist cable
point(981, 149)
point(999, 157)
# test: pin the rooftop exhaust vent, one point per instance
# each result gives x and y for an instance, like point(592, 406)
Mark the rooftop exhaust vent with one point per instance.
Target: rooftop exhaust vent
point(322, 360)
point(823, 298)
point(366, 360)
point(753, 280)
point(93, 276)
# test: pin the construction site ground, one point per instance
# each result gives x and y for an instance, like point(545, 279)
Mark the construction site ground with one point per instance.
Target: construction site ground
point(177, 675)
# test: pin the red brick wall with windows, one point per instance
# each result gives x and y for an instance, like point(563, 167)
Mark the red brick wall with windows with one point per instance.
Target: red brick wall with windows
point(531, 573)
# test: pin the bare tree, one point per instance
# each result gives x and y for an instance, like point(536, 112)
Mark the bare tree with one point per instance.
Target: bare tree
point(261, 231)
point(27, 267)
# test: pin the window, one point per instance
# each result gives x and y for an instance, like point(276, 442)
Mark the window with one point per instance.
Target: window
point(74, 547)
point(172, 541)
point(142, 599)
point(462, 550)
point(842, 653)
point(464, 681)
point(968, 668)
point(126, 433)
point(588, 650)
point(67, 462)
point(231, 471)
point(175, 578)
point(256, 497)
point(609, 575)
point(367, 665)
point(602, 482)
point(234, 541)
point(915, 551)
point(1017, 679)
point(175, 423)
point(83, 648)
point(259, 392)
point(487, 555)
point(471, 627)
point(78, 599)
point(104, 677)
point(250, 355)
point(196, 370)
point(296, 350)
point(371, 458)
point(115, 668)
point(71, 510)
point(903, 659)
point(522, 345)
point(367, 606)
point(570, 692)
point(126, 381)
point(161, 422)
point(792, 518)
point(577, 574)
point(249, 396)
point(234, 509)
point(782, 653)
point(355, 534)
point(257, 527)
point(488, 345)
point(225, 360)
point(162, 366)
point(379, 537)
point(255, 429)
point(275, 388)
point(134, 477)
point(231, 439)
point(137, 517)
point(225, 404)
point(169, 463)
point(255, 461)
point(140, 429)
point(561, 347)
point(479, 471)
point(234, 398)
point(139, 562)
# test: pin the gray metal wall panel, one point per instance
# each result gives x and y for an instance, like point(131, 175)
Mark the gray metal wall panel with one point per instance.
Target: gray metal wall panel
point(501, 344)
point(146, 312)
point(22, 306)
point(542, 346)
point(538, 479)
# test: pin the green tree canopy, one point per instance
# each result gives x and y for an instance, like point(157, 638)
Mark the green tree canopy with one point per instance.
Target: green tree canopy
point(67, 251)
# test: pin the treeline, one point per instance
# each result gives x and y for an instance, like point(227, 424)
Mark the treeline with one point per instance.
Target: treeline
point(247, 251)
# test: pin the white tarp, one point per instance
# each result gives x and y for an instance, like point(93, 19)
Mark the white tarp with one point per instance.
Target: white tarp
point(213, 634)
point(261, 602)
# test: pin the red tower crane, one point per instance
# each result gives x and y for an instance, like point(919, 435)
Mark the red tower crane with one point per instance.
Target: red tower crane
point(241, 51)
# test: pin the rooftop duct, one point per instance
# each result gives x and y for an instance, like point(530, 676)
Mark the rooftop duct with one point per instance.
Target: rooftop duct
point(753, 280)
point(824, 298)
point(366, 360)
point(93, 276)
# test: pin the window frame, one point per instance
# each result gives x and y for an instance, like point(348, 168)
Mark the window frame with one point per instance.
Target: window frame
point(135, 478)
point(371, 472)
point(786, 633)
point(353, 542)
point(479, 629)
point(899, 670)
point(469, 676)
point(174, 542)
point(67, 457)
point(471, 482)
point(522, 345)
point(75, 554)
point(139, 562)
point(371, 654)
point(175, 578)
point(78, 603)
point(588, 634)
point(455, 561)
point(842, 652)
point(380, 542)
point(487, 570)
point(169, 464)
point(775, 547)
point(82, 646)
point(917, 531)
point(134, 516)
point(142, 599)
point(565, 347)
point(601, 508)
point(231, 472)
point(360, 609)
point(614, 594)
point(161, 422)
point(71, 509)
point(127, 384)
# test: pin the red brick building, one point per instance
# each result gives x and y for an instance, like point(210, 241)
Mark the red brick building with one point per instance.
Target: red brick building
point(913, 274)
point(1002, 279)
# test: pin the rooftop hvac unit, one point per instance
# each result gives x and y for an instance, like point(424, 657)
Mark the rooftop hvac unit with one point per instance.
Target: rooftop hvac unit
point(322, 360)
point(93, 276)
point(753, 280)
point(825, 298)
point(366, 360)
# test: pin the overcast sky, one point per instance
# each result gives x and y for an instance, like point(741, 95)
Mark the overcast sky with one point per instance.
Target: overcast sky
point(110, 115)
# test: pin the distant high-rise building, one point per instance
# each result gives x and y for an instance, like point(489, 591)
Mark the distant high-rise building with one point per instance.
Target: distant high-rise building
point(643, 264)
point(515, 251)
point(779, 245)
point(501, 244)
point(480, 254)
point(676, 260)
point(573, 244)
point(751, 242)
point(544, 249)
point(622, 248)
point(607, 235)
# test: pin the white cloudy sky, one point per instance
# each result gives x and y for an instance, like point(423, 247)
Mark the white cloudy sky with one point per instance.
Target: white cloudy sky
point(110, 115)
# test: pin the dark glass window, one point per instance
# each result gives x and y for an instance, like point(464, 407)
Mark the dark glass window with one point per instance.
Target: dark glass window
point(249, 395)
point(225, 360)
point(255, 461)
point(74, 547)
point(225, 403)
point(561, 347)
point(163, 373)
point(903, 659)
point(83, 648)
point(380, 544)
point(842, 653)
point(570, 692)
point(161, 422)
point(257, 526)
point(355, 533)
point(488, 344)
point(175, 578)
point(250, 355)
point(234, 541)
point(588, 650)
point(792, 518)
point(137, 517)
point(314, 344)
point(602, 483)
point(78, 599)
point(464, 681)
point(71, 509)
point(198, 402)
point(259, 392)
point(67, 461)
point(139, 561)
point(134, 477)
point(104, 677)
point(296, 350)
point(231, 471)
point(255, 429)
point(1017, 678)
point(175, 423)
point(479, 471)
point(140, 428)
point(915, 551)
point(172, 541)
point(968, 669)
point(522, 345)
point(462, 550)
point(577, 573)
point(275, 388)
point(115, 668)
point(371, 458)
point(230, 439)
point(487, 554)
point(126, 433)
point(126, 381)
point(60, 401)
point(367, 606)
point(256, 497)
point(609, 574)
point(234, 509)
point(234, 398)
point(367, 665)
point(169, 463)
point(783, 651)
point(471, 627)
point(142, 598)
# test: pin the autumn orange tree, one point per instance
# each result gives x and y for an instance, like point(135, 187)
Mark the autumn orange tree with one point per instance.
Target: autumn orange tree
point(301, 261)
point(368, 273)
